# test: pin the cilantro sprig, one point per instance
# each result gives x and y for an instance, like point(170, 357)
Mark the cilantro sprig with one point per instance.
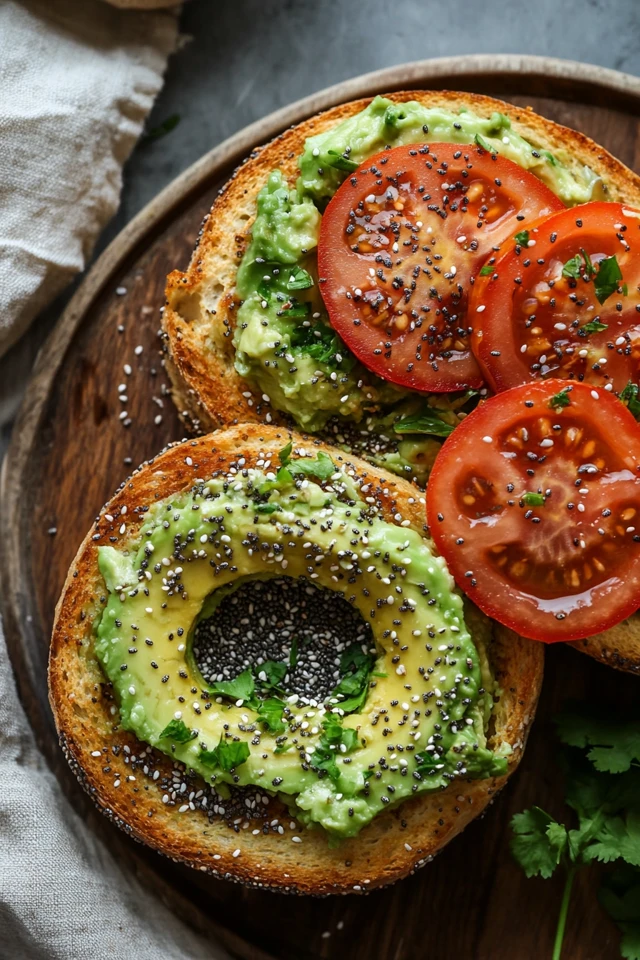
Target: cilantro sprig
point(601, 759)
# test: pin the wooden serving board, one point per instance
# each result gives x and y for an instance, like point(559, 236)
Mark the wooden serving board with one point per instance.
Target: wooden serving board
point(72, 447)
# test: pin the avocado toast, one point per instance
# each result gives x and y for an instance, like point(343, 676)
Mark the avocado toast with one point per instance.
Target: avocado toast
point(130, 610)
point(235, 355)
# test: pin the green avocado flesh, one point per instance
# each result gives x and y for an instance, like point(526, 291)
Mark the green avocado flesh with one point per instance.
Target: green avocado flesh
point(292, 354)
point(422, 717)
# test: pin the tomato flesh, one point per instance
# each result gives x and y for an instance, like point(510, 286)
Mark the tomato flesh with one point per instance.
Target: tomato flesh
point(532, 321)
point(400, 244)
point(535, 505)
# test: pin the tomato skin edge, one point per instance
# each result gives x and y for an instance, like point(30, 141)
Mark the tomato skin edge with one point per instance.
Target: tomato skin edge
point(442, 472)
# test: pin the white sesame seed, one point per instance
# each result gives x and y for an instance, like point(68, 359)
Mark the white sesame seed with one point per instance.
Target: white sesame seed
point(487, 439)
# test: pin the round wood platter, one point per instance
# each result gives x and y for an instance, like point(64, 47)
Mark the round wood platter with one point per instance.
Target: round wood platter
point(75, 442)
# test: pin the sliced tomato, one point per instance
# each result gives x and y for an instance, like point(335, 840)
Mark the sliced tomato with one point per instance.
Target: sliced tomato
point(534, 502)
point(566, 305)
point(400, 244)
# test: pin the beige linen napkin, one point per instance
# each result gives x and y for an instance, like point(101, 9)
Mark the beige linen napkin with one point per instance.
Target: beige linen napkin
point(77, 80)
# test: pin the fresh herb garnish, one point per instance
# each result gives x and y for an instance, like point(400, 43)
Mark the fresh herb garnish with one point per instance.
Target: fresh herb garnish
point(334, 736)
point(560, 399)
point(293, 653)
point(487, 270)
point(533, 499)
point(426, 763)
point(299, 279)
point(285, 454)
point(274, 673)
point(340, 162)
point(268, 508)
point(482, 143)
point(580, 263)
point(178, 731)
point(607, 278)
point(228, 755)
point(602, 765)
point(630, 396)
point(594, 326)
point(355, 667)
point(162, 129)
point(522, 238)
point(323, 345)
point(321, 467)
point(270, 713)
point(242, 688)
point(423, 423)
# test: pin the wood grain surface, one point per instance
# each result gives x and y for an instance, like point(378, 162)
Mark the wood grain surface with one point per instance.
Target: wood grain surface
point(77, 439)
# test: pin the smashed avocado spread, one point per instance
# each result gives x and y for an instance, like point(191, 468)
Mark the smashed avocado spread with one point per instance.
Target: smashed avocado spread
point(409, 713)
point(283, 339)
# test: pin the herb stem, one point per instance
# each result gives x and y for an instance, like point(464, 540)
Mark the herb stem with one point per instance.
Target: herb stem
point(562, 917)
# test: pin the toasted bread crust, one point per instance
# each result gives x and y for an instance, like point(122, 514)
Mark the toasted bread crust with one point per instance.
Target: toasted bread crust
point(206, 388)
point(395, 844)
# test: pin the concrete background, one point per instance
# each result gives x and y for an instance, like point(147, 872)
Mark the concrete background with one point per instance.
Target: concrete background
point(241, 59)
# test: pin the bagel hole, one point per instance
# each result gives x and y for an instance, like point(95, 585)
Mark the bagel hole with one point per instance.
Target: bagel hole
point(283, 620)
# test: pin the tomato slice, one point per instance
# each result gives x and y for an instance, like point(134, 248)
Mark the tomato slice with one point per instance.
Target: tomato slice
point(400, 244)
point(534, 502)
point(566, 305)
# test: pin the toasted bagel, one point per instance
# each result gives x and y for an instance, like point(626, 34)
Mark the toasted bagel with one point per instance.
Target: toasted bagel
point(199, 311)
point(127, 779)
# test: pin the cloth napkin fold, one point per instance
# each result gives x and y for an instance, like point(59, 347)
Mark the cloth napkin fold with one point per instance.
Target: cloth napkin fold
point(77, 80)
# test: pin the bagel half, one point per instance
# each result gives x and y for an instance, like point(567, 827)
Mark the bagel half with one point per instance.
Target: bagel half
point(199, 314)
point(130, 791)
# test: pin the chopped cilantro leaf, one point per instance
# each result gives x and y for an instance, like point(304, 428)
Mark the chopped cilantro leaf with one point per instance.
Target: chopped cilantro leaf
point(487, 270)
point(533, 499)
point(322, 467)
point(270, 713)
point(242, 688)
point(423, 423)
point(178, 731)
point(560, 399)
point(274, 673)
point(340, 162)
point(328, 748)
point(285, 454)
point(293, 653)
point(320, 342)
point(268, 508)
point(228, 755)
point(594, 326)
point(299, 279)
point(574, 267)
point(522, 238)
point(355, 667)
point(630, 396)
point(607, 278)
